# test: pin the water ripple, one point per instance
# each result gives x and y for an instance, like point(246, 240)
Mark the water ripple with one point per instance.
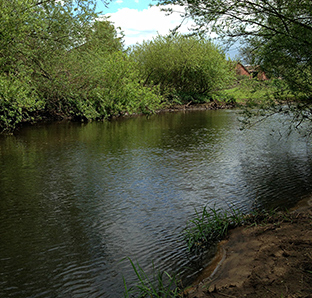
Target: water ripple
point(77, 200)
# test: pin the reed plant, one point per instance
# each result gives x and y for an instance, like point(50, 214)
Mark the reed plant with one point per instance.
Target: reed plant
point(211, 225)
point(161, 284)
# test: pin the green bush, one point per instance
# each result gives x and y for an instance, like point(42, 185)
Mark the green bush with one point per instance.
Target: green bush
point(18, 102)
point(118, 90)
point(96, 85)
point(75, 64)
point(191, 68)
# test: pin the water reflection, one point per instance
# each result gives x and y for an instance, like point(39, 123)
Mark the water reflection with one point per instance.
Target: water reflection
point(78, 198)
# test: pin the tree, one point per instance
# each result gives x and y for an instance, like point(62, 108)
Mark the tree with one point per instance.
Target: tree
point(104, 37)
point(58, 60)
point(35, 38)
point(187, 66)
point(32, 31)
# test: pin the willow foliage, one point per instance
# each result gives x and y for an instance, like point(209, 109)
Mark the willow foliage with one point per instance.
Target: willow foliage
point(190, 66)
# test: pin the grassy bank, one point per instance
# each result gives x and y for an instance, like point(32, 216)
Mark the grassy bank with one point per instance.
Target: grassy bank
point(210, 225)
point(247, 90)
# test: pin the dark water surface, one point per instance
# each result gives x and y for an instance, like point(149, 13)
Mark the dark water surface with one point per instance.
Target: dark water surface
point(75, 199)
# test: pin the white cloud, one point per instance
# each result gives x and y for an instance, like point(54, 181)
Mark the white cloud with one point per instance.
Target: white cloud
point(119, 1)
point(144, 25)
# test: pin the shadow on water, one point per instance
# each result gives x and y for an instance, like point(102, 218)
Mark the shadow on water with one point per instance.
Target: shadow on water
point(78, 198)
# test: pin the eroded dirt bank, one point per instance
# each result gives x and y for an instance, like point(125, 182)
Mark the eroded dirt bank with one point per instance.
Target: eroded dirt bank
point(269, 260)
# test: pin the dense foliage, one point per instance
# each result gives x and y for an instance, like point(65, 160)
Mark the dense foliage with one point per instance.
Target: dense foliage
point(56, 61)
point(59, 59)
point(186, 68)
point(276, 34)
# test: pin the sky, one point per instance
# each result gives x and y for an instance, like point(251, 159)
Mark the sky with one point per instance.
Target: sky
point(141, 22)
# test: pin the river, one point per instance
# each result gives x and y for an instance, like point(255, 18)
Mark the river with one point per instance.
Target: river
point(76, 199)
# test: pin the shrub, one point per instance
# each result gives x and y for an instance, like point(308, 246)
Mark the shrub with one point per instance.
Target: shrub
point(118, 89)
point(19, 102)
point(186, 66)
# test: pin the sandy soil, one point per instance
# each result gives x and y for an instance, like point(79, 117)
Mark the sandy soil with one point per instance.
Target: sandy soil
point(269, 260)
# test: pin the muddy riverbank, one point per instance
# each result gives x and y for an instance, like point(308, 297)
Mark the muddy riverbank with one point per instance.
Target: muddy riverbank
point(273, 259)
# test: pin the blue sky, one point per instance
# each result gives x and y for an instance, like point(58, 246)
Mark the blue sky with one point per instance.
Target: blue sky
point(141, 22)
point(118, 4)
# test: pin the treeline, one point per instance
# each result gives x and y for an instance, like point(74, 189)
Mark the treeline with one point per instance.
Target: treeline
point(59, 61)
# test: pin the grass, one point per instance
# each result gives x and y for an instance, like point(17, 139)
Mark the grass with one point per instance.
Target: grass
point(259, 100)
point(252, 90)
point(210, 225)
point(162, 284)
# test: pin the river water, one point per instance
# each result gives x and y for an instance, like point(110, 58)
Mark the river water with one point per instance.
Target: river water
point(76, 199)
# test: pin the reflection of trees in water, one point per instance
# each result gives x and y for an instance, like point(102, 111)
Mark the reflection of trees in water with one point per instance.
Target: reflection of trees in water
point(186, 131)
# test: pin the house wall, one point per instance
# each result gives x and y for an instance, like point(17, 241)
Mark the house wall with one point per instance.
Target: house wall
point(241, 70)
point(252, 72)
point(262, 76)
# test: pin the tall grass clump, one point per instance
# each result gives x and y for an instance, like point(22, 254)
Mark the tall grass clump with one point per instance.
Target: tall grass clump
point(211, 225)
point(161, 284)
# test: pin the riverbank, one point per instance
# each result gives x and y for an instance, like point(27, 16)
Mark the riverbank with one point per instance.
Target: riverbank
point(46, 118)
point(213, 105)
point(273, 259)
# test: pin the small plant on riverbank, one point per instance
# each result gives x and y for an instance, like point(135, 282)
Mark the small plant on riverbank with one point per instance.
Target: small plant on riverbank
point(162, 284)
point(271, 216)
point(211, 225)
